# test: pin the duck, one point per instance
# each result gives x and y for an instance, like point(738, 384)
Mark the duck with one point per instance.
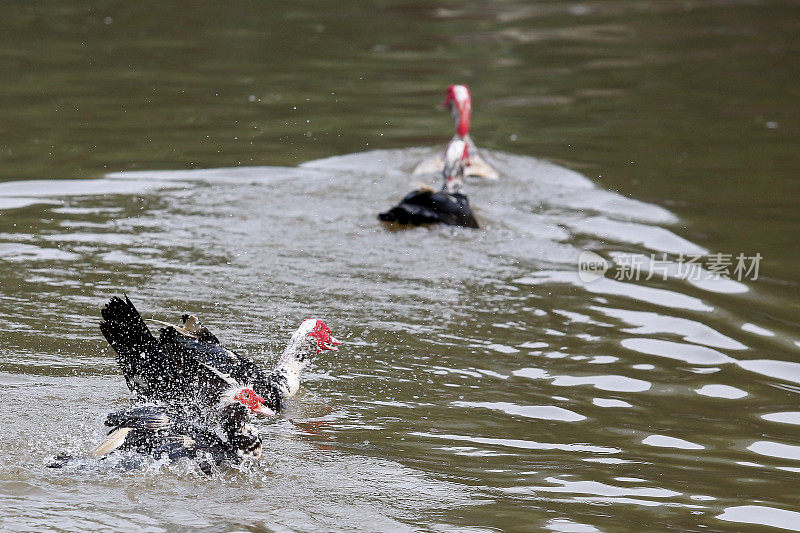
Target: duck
point(448, 206)
point(188, 367)
point(225, 437)
point(458, 100)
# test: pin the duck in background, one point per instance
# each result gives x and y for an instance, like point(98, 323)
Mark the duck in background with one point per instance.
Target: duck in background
point(459, 102)
point(447, 206)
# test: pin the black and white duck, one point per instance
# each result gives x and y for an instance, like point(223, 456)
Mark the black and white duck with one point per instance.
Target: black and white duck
point(223, 437)
point(187, 365)
point(449, 205)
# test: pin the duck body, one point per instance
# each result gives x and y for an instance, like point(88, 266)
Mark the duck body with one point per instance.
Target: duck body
point(195, 397)
point(191, 368)
point(176, 368)
point(425, 206)
point(449, 205)
point(162, 432)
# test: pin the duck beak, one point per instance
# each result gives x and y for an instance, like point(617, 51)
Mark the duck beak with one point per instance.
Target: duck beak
point(334, 343)
point(262, 410)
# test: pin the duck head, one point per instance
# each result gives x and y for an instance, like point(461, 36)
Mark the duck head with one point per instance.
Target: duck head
point(459, 102)
point(456, 157)
point(312, 337)
point(236, 406)
point(247, 397)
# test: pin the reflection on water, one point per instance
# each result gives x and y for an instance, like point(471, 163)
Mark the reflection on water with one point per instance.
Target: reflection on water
point(690, 353)
point(763, 516)
point(608, 286)
point(721, 391)
point(785, 418)
point(658, 323)
point(663, 441)
point(607, 383)
point(543, 412)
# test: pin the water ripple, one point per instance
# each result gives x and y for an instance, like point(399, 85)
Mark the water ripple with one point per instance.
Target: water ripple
point(762, 515)
point(690, 353)
point(602, 382)
point(544, 412)
point(522, 444)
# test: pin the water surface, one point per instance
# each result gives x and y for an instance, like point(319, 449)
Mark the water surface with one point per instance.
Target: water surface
point(221, 161)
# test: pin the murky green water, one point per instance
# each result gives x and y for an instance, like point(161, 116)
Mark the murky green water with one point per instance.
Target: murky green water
point(483, 384)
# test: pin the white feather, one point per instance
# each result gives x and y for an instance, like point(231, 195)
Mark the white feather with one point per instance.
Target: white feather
point(113, 441)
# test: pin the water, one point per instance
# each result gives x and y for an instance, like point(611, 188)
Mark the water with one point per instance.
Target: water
point(483, 384)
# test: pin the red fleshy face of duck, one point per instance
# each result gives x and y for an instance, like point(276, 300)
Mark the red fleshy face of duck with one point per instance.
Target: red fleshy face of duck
point(459, 102)
point(249, 398)
point(324, 337)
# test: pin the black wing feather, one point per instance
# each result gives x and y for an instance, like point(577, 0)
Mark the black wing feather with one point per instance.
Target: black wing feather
point(143, 417)
point(241, 369)
point(175, 367)
point(126, 332)
point(159, 431)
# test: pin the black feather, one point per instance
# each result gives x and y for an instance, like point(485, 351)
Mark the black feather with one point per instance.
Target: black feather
point(126, 332)
point(162, 432)
point(424, 206)
point(174, 367)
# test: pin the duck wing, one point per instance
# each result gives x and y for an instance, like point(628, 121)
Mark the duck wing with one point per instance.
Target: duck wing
point(168, 369)
point(479, 168)
point(139, 427)
point(160, 432)
point(218, 368)
point(431, 165)
point(181, 368)
point(137, 349)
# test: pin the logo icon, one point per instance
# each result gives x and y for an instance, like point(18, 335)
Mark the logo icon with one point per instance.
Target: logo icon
point(591, 266)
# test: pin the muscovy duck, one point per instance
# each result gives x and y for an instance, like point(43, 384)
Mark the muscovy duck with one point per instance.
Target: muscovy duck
point(187, 365)
point(447, 206)
point(459, 102)
point(224, 437)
